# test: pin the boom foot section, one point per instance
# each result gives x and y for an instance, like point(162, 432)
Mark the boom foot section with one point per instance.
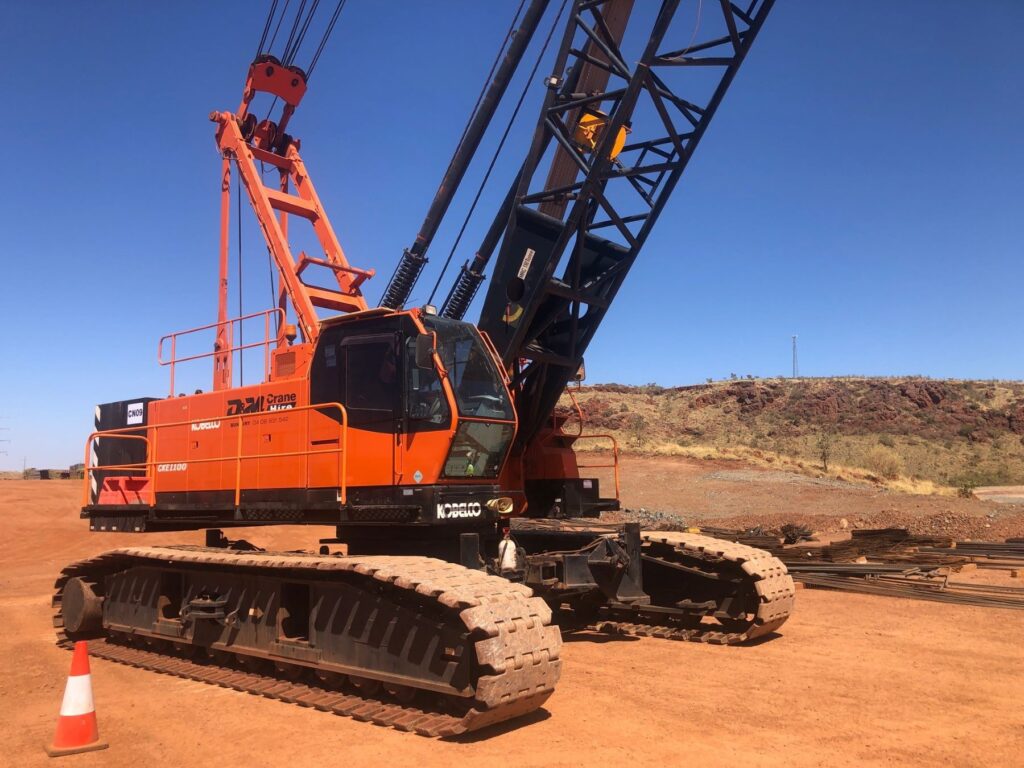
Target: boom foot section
point(706, 590)
point(407, 642)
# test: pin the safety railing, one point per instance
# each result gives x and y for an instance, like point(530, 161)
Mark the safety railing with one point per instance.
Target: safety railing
point(149, 465)
point(231, 349)
point(87, 475)
point(579, 411)
point(614, 466)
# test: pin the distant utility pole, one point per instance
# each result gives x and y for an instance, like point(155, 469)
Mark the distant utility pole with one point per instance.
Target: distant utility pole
point(796, 368)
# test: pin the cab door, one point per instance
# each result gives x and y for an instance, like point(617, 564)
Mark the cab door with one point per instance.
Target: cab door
point(372, 396)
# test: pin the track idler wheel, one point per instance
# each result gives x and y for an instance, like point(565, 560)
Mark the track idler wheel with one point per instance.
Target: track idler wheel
point(82, 609)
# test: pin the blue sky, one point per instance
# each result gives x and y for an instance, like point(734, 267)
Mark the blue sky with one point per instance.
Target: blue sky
point(860, 187)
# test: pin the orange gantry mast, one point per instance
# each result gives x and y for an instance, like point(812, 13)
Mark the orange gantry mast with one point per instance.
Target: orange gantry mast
point(244, 140)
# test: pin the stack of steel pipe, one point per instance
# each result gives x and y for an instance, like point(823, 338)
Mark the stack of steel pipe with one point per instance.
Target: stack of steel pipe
point(986, 554)
point(936, 590)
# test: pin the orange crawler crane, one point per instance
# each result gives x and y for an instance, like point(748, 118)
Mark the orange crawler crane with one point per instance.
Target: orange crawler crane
point(431, 445)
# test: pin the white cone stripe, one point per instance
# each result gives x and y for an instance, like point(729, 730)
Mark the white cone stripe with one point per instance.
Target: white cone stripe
point(77, 696)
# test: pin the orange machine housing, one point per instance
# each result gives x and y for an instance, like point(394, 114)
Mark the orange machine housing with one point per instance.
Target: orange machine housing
point(372, 417)
point(352, 428)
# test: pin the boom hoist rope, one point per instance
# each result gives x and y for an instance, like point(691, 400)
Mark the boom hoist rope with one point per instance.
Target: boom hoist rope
point(490, 167)
point(292, 46)
point(297, 35)
point(323, 41)
point(302, 20)
point(490, 75)
point(462, 140)
point(414, 258)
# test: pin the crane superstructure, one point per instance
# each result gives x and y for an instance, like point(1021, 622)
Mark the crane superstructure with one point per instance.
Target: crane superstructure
point(431, 445)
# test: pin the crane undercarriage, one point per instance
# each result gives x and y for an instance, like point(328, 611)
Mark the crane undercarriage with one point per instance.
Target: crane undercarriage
point(412, 642)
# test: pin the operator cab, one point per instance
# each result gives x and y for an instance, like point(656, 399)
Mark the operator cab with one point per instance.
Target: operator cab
point(419, 379)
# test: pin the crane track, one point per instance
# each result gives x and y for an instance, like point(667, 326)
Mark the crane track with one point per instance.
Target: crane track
point(379, 712)
point(762, 572)
point(518, 643)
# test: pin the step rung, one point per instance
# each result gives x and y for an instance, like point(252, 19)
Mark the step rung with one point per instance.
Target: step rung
point(305, 261)
point(282, 201)
point(322, 297)
point(269, 157)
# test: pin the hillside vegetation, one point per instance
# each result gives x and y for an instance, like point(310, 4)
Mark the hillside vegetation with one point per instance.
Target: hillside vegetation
point(915, 433)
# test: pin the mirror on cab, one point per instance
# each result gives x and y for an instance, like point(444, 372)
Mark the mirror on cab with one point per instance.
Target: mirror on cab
point(425, 351)
point(581, 372)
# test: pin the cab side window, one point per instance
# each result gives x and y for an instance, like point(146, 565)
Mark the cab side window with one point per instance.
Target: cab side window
point(372, 388)
point(426, 405)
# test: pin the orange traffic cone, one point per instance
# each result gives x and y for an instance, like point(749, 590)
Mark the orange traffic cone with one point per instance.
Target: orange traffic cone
point(76, 727)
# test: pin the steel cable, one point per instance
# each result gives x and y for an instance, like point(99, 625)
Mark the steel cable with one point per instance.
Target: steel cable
point(290, 55)
point(277, 28)
point(497, 151)
point(295, 27)
point(266, 27)
point(323, 41)
point(487, 81)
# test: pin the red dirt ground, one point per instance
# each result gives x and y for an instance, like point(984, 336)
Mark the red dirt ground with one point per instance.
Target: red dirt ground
point(849, 680)
point(730, 494)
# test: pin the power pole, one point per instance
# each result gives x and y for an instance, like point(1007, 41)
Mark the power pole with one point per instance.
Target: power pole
point(796, 368)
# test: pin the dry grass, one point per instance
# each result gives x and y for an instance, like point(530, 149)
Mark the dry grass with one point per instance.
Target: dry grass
point(769, 460)
point(962, 441)
point(884, 461)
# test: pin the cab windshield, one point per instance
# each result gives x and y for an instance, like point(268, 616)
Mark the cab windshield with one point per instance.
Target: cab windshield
point(474, 378)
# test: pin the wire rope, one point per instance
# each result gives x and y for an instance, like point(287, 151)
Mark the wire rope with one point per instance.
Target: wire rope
point(497, 151)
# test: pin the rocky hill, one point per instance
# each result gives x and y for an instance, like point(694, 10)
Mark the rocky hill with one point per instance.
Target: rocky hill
point(951, 433)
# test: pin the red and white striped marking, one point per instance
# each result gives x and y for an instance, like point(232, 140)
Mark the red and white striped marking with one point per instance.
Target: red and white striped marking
point(94, 458)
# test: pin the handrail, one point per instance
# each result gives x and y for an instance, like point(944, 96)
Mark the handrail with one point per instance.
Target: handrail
point(134, 468)
point(579, 410)
point(580, 436)
point(231, 349)
point(237, 457)
point(615, 458)
point(556, 430)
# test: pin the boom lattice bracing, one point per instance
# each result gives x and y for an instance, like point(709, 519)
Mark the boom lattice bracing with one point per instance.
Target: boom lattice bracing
point(594, 218)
